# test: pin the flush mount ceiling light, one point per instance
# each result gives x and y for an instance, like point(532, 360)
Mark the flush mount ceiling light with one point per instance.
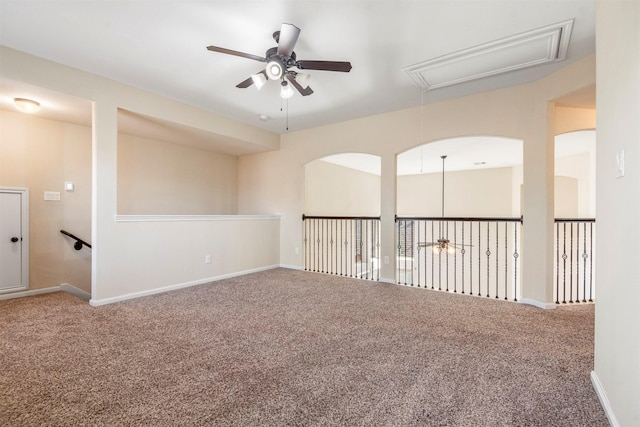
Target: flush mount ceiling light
point(25, 105)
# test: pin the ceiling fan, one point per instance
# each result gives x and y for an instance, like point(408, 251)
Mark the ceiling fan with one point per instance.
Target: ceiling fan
point(443, 243)
point(282, 64)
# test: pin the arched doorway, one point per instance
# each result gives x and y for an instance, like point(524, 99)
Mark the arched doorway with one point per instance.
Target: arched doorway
point(468, 241)
point(342, 215)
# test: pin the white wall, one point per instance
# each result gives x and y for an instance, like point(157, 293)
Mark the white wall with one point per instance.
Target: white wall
point(617, 345)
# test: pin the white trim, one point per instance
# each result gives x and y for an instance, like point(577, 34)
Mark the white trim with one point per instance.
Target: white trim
point(539, 304)
point(183, 218)
point(66, 287)
point(292, 267)
point(24, 234)
point(111, 300)
point(385, 280)
point(604, 401)
point(29, 293)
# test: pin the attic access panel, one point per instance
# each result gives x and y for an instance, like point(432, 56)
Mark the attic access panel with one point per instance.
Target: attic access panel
point(541, 46)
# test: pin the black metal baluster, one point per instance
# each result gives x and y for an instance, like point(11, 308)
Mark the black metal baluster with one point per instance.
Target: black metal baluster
point(425, 284)
point(591, 262)
point(571, 263)
point(419, 250)
point(462, 252)
point(432, 259)
point(506, 257)
point(471, 258)
point(584, 264)
point(479, 260)
point(557, 263)
point(497, 259)
point(564, 263)
point(455, 257)
point(488, 259)
point(446, 258)
point(515, 264)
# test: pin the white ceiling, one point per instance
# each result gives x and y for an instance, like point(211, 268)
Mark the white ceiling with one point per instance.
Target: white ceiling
point(160, 46)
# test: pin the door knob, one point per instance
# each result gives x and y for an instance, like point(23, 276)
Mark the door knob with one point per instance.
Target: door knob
point(14, 239)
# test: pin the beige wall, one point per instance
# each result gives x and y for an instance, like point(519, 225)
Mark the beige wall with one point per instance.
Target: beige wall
point(617, 344)
point(275, 180)
point(41, 155)
point(333, 190)
point(162, 178)
point(483, 192)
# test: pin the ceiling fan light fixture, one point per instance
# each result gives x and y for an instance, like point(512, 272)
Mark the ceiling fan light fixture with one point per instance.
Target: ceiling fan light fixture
point(25, 105)
point(286, 91)
point(274, 69)
point(259, 80)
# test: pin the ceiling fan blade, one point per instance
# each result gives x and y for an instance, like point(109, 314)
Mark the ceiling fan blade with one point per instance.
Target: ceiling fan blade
point(245, 83)
point(236, 53)
point(344, 67)
point(250, 81)
point(304, 91)
point(287, 40)
point(427, 244)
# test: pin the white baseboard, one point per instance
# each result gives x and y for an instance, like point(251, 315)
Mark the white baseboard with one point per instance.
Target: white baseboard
point(75, 291)
point(133, 295)
point(539, 304)
point(385, 280)
point(292, 267)
point(604, 401)
point(602, 396)
point(29, 293)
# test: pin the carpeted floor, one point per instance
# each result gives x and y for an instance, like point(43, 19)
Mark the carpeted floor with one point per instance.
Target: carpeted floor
point(286, 347)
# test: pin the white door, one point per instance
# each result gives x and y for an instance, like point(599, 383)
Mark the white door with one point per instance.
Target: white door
point(14, 243)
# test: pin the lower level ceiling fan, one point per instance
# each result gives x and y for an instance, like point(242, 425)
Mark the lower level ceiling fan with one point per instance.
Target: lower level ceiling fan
point(282, 64)
point(443, 243)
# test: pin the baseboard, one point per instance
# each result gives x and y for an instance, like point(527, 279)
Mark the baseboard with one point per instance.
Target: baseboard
point(385, 280)
point(292, 267)
point(75, 291)
point(604, 401)
point(119, 298)
point(539, 304)
point(29, 293)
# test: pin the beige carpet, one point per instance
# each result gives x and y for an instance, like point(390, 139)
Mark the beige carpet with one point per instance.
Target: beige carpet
point(292, 348)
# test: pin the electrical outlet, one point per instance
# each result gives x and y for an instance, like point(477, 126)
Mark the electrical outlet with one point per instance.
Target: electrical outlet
point(207, 259)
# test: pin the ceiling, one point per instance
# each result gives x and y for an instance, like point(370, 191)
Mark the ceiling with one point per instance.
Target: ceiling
point(160, 46)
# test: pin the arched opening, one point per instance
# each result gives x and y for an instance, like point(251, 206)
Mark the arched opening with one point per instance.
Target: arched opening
point(574, 207)
point(458, 216)
point(342, 215)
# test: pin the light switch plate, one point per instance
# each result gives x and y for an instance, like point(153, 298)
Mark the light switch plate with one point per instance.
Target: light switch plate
point(52, 195)
point(620, 161)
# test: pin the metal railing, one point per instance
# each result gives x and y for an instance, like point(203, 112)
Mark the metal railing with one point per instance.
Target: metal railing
point(78, 241)
point(574, 254)
point(345, 246)
point(474, 256)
